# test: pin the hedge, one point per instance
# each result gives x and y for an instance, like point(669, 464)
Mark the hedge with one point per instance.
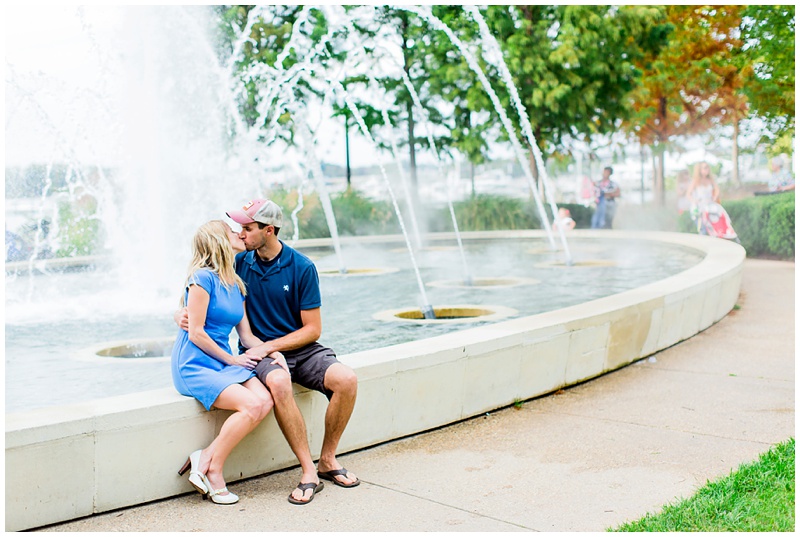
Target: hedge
point(764, 224)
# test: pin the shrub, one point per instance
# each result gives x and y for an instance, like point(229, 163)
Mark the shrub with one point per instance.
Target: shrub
point(79, 231)
point(359, 215)
point(764, 224)
point(355, 214)
point(580, 213)
point(780, 230)
point(486, 212)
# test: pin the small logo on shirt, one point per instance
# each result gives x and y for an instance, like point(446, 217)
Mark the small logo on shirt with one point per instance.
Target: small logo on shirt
point(286, 288)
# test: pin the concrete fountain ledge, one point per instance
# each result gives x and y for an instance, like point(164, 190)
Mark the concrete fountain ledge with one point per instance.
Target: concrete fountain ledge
point(72, 461)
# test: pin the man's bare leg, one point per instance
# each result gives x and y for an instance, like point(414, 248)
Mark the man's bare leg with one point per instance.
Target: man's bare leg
point(293, 427)
point(342, 381)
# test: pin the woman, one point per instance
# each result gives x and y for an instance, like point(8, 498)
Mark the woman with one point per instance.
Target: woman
point(703, 189)
point(202, 363)
point(705, 210)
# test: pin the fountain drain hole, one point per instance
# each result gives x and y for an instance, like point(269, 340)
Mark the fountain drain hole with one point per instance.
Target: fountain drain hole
point(448, 314)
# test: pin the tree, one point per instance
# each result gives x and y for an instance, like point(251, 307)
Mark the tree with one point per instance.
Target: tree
point(274, 47)
point(573, 66)
point(769, 46)
point(457, 85)
point(403, 29)
point(679, 94)
point(729, 105)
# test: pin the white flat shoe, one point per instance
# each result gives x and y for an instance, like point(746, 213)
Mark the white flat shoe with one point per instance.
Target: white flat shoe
point(218, 495)
point(195, 477)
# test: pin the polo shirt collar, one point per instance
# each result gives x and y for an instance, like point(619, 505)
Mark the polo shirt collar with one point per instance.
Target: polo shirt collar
point(284, 260)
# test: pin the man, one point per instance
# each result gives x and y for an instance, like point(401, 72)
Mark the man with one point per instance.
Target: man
point(283, 307)
point(606, 193)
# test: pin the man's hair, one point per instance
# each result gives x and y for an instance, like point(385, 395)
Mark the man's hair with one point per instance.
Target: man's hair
point(610, 170)
point(262, 226)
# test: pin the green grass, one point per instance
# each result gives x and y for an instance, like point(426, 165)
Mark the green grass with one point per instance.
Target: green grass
point(759, 496)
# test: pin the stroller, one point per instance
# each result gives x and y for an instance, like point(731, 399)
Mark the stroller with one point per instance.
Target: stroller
point(714, 221)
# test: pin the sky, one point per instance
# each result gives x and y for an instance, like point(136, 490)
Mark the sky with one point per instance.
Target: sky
point(49, 72)
point(54, 70)
point(53, 74)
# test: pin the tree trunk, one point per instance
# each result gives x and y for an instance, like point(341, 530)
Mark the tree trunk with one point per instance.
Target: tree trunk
point(735, 155)
point(472, 176)
point(641, 179)
point(412, 156)
point(535, 168)
point(347, 150)
point(660, 177)
point(654, 163)
point(662, 139)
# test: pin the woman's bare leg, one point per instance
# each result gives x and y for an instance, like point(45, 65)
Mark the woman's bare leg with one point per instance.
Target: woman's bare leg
point(252, 402)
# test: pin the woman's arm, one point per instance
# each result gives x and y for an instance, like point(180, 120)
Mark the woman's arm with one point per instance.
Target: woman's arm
point(246, 335)
point(251, 342)
point(198, 307)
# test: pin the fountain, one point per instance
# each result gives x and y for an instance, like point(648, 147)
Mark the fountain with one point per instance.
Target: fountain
point(85, 373)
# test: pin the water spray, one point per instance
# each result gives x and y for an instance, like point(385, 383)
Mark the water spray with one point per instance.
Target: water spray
point(426, 13)
point(427, 309)
point(418, 103)
point(488, 39)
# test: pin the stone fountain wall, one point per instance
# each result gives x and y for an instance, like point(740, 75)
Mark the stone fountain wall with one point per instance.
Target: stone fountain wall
point(72, 461)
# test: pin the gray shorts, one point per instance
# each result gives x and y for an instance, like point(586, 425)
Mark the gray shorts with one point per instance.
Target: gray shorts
point(307, 367)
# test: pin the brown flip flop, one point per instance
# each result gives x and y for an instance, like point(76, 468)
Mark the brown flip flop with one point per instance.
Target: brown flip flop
point(331, 476)
point(304, 487)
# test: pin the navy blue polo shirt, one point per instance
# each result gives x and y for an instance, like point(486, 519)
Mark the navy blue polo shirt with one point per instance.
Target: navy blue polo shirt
point(278, 291)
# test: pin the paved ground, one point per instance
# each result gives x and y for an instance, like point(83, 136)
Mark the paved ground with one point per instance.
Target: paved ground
point(584, 459)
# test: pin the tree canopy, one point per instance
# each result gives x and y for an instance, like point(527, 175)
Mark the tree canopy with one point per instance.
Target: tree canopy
point(656, 72)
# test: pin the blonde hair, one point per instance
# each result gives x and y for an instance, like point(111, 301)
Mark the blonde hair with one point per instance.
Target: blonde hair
point(211, 249)
point(696, 173)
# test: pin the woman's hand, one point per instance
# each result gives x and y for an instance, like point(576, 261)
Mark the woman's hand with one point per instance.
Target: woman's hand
point(248, 361)
point(278, 358)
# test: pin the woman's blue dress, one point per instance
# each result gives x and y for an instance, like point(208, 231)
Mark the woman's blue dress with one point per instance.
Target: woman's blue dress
point(195, 373)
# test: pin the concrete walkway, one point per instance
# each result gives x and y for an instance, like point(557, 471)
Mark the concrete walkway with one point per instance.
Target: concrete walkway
point(583, 459)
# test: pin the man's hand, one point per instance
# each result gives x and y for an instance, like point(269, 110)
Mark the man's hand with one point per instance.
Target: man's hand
point(248, 361)
point(181, 318)
point(279, 359)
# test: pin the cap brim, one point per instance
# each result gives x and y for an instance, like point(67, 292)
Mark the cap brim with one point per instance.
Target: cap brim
point(240, 217)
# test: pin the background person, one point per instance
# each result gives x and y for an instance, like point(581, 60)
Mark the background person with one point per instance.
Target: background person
point(709, 216)
point(606, 194)
point(781, 179)
point(702, 192)
point(565, 218)
point(203, 366)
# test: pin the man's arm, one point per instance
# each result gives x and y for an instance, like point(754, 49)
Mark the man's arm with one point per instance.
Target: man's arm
point(181, 318)
point(308, 333)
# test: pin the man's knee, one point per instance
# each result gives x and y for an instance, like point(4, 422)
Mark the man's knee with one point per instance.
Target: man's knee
point(279, 384)
point(341, 379)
